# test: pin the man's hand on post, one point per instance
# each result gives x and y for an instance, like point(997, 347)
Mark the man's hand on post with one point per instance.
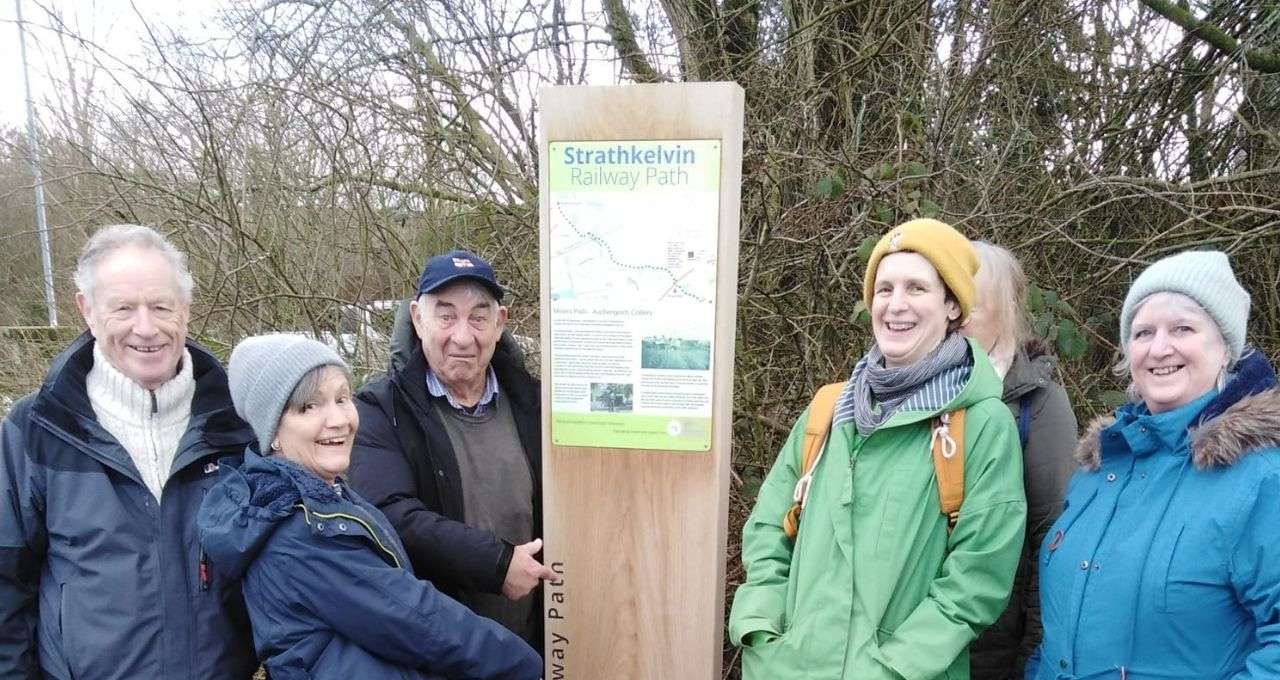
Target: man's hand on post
point(525, 571)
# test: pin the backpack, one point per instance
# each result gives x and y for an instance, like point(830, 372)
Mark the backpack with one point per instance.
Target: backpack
point(946, 442)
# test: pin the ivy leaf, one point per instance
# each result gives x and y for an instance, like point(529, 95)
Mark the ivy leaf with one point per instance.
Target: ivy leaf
point(914, 170)
point(1104, 322)
point(1071, 344)
point(1042, 323)
point(830, 186)
point(884, 213)
point(1113, 398)
point(929, 209)
point(751, 484)
point(1035, 299)
point(860, 313)
point(864, 249)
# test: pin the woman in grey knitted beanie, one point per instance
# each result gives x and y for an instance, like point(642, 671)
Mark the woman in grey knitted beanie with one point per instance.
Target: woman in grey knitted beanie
point(327, 583)
point(1165, 562)
point(295, 392)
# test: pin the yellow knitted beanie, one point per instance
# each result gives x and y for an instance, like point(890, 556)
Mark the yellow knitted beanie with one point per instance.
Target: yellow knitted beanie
point(938, 242)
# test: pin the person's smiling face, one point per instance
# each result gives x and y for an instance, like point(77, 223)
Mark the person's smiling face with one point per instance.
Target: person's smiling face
point(910, 310)
point(137, 314)
point(318, 434)
point(1175, 351)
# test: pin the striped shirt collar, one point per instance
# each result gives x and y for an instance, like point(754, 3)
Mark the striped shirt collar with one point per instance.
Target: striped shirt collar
point(437, 389)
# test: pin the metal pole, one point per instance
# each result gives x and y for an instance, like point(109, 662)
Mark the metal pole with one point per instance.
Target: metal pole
point(41, 226)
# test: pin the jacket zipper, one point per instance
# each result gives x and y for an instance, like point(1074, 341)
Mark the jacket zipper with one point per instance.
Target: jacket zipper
point(306, 515)
point(155, 448)
point(417, 413)
point(203, 559)
point(204, 571)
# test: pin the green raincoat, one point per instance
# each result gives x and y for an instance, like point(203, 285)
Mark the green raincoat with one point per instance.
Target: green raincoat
point(874, 588)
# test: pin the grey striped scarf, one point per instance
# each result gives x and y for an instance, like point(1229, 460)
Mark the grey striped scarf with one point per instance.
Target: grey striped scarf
point(927, 385)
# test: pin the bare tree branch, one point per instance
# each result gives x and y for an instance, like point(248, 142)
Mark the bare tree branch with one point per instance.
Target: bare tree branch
point(1264, 61)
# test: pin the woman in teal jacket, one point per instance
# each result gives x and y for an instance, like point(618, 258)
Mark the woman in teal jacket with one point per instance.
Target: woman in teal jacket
point(1165, 563)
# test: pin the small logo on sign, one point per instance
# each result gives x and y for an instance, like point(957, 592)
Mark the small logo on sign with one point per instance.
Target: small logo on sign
point(210, 468)
point(463, 262)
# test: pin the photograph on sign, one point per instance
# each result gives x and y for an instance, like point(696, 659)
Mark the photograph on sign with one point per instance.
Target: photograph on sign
point(633, 234)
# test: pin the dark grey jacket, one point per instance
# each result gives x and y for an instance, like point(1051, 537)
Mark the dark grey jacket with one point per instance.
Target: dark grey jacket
point(97, 580)
point(1001, 651)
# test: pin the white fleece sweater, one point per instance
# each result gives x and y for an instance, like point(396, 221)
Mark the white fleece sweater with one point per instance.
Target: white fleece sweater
point(148, 423)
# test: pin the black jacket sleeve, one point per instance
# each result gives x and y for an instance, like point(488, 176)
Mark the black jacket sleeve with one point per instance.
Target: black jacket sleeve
point(21, 540)
point(443, 550)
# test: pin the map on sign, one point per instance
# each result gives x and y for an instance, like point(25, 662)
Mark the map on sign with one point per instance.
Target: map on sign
point(636, 252)
point(634, 228)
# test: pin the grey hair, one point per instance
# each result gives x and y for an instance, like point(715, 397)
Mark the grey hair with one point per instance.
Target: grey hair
point(112, 238)
point(305, 391)
point(1121, 368)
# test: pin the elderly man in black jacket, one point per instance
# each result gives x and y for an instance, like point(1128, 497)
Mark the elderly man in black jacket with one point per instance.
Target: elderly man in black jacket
point(449, 446)
point(101, 473)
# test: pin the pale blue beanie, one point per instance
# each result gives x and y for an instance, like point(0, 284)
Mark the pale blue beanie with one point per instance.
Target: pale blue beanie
point(262, 373)
point(1204, 276)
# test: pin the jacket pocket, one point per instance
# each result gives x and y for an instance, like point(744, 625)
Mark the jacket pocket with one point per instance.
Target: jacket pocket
point(1193, 577)
point(898, 496)
point(1162, 556)
point(763, 661)
point(70, 650)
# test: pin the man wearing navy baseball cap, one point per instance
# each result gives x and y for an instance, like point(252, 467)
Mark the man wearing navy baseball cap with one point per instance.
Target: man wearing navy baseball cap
point(449, 446)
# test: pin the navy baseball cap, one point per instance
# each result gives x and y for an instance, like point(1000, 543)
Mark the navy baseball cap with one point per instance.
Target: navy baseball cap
point(456, 265)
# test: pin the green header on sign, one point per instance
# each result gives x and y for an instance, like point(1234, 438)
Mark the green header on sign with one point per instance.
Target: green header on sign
point(631, 166)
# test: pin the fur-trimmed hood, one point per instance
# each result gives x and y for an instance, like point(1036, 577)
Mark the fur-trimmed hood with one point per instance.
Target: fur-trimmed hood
point(1243, 418)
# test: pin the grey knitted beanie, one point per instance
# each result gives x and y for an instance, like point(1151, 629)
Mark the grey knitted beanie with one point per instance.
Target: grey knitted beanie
point(1204, 276)
point(262, 373)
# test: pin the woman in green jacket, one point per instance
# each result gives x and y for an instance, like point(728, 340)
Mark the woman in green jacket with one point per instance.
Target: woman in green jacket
point(875, 586)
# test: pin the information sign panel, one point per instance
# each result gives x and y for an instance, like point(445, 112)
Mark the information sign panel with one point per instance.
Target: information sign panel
point(632, 267)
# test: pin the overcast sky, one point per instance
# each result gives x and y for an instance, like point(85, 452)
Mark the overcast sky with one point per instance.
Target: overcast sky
point(114, 25)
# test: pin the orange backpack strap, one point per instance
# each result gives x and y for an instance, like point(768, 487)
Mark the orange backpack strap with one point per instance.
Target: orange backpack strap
point(947, 443)
point(816, 427)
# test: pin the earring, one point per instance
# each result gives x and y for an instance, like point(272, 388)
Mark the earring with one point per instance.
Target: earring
point(275, 445)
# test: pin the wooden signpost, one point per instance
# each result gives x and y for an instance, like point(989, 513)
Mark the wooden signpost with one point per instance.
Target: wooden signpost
point(639, 203)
